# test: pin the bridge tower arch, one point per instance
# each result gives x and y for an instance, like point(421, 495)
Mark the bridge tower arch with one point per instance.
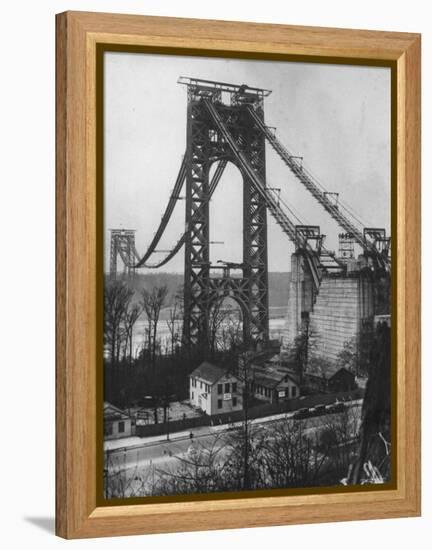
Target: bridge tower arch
point(205, 145)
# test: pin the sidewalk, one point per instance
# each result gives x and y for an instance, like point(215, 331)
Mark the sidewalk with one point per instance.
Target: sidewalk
point(126, 443)
point(134, 442)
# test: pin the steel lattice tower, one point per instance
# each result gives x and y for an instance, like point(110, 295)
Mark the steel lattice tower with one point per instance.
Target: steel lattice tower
point(225, 123)
point(123, 245)
point(204, 284)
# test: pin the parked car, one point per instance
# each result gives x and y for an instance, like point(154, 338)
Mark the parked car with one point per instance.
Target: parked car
point(319, 409)
point(301, 413)
point(336, 407)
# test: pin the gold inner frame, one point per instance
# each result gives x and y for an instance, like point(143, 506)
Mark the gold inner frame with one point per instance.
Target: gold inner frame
point(101, 48)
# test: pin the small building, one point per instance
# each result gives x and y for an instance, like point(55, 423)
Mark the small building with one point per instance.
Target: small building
point(273, 385)
point(117, 423)
point(331, 381)
point(214, 390)
point(271, 375)
point(342, 380)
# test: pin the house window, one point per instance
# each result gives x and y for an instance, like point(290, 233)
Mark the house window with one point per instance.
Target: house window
point(219, 403)
point(219, 389)
point(234, 401)
point(192, 395)
point(234, 387)
point(293, 391)
point(227, 387)
point(200, 385)
point(121, 427)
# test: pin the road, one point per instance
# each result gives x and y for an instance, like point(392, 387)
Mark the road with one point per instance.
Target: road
point(164, 454)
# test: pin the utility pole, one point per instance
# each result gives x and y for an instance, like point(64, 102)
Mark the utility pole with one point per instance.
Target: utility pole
point(246, 480)
point(167, 424)
point(246, 443)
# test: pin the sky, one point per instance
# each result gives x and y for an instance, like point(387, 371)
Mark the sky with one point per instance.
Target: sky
point(337, 117)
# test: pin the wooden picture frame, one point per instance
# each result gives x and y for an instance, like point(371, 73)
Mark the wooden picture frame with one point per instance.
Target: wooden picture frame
point(78, 288)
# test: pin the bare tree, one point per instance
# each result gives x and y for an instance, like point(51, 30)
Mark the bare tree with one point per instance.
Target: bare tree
point(224, 327)
point(348, 357)
point(123, 482)
point(292, 457)
point(152, 303)
point(117, 299)
point(338, 438)
point(244, 463)
point(245, 371)
point(175, 317)
point(281, 454)
point(303, 350)
point(201, 469)
point(215, 321)
point(231, 337)
point(130, 318)
point(375, 432)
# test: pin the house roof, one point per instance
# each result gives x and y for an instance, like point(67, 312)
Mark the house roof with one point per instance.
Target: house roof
point(208, 372)
point(111, 412)
point(342, 372)
point(259, 357)
point(331, 372)
point(266, 381)
point(272, 377)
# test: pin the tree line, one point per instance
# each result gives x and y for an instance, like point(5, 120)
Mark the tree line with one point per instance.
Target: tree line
point(159, 369)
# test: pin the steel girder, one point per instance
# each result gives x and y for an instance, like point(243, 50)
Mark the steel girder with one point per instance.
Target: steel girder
point(206, 145)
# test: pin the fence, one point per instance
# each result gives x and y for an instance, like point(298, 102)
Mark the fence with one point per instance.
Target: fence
point(260, 411)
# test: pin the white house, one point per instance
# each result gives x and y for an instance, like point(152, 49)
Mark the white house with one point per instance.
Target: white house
point(117, 423)
point(214, 390)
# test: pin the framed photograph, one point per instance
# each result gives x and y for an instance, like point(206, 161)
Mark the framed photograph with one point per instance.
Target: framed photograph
point(238, 274)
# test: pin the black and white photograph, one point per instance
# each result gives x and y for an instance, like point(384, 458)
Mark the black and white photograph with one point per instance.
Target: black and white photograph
point(247, 275)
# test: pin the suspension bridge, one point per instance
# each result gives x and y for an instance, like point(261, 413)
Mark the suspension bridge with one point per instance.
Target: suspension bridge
point(225, 123)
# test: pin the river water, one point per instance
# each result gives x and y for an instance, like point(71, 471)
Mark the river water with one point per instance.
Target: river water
point(277, 325)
